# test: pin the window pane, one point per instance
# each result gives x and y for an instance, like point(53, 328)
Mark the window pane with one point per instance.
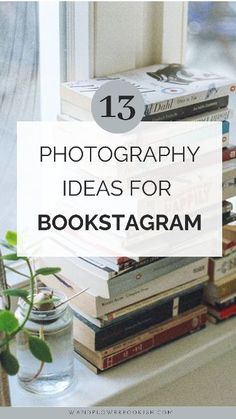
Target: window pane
point(212, 36)
point(211, 42)
point(19, 93)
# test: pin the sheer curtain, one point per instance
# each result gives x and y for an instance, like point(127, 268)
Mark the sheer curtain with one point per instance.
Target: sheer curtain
point(19, 93)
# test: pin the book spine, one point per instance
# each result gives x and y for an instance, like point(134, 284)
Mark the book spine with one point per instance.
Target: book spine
point(229, 249)
point(225, 127)
point(224, 313)
point(226, 289)
point(182, 276)
point(156, 340)
point(218, 268)
point(129, 310)
point(215, 292)
point(150, 332)
point(228, 246)
point(110, 287)
point(137, 277)
point(229, 190)
point(190, 110)
point(229, 153)
point(160, 313)
point(225, 139)
point(229, 173)
point(218, 115)
point(107, 270)
point(189, 99)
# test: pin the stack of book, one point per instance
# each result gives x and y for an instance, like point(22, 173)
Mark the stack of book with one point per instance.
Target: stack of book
point(229, 182)
point(171, 92)
point(131, 306)
point(220, 292)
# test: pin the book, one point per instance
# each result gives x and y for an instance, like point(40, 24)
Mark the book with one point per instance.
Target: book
point(221, 314)
point(189, 110)
point(227, 207)
point(108, 268)
point(229, 153)
point(97, 306)
point(229, 232)
point(127, 311)
point(229, 188)
point(218, 115)
point(140, 343)
point(229, 170)
point(185, 112)
point(173, 87)
point(221, 267)
point(75, 112)
point(88, 364)
point(221, 289)
point(229, 246)
point(225, 139)
point(72, 112)
point(222, 114)
point(97, 338)
point(107, 284)
point(220, 302)
point(230, 218)
point(224, 302)
point(225, 126)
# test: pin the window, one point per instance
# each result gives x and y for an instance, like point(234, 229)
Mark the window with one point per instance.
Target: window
point(42, 43)
point(19, 92)
point(212, 36)
point(212, 42)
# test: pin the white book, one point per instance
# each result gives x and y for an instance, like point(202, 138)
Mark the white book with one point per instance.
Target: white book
point(102, 282)
point(97, 306)
point(164, 87)
point(76, 112)
point(221, 267)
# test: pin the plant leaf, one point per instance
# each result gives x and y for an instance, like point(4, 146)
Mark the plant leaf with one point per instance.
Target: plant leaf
point(11, 256)
point(40, 349)
point(16, 292)
point(47, 271)
point(11, 237)
point(9, 362)
point(8, 321)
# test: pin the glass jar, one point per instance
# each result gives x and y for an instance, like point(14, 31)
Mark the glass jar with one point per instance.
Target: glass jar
point(56, 328)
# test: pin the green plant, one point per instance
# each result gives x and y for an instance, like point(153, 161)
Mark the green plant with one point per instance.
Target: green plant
point(9, 325)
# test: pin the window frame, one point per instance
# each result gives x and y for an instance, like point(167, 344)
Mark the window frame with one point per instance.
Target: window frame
point(49, 59)
point(88, 39)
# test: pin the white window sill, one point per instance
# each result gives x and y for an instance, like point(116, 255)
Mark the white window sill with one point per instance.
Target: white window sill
point(125, 384)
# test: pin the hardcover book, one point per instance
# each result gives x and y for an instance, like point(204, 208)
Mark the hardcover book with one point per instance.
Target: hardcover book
point(142, 342)
point(96, 338)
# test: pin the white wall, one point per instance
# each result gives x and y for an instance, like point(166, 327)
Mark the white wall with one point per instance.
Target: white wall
point(134, 34)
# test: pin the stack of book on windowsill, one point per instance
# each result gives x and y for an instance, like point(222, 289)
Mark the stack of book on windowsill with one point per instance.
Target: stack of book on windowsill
point(220, 292)
point(131, 306)
point(171, 92)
